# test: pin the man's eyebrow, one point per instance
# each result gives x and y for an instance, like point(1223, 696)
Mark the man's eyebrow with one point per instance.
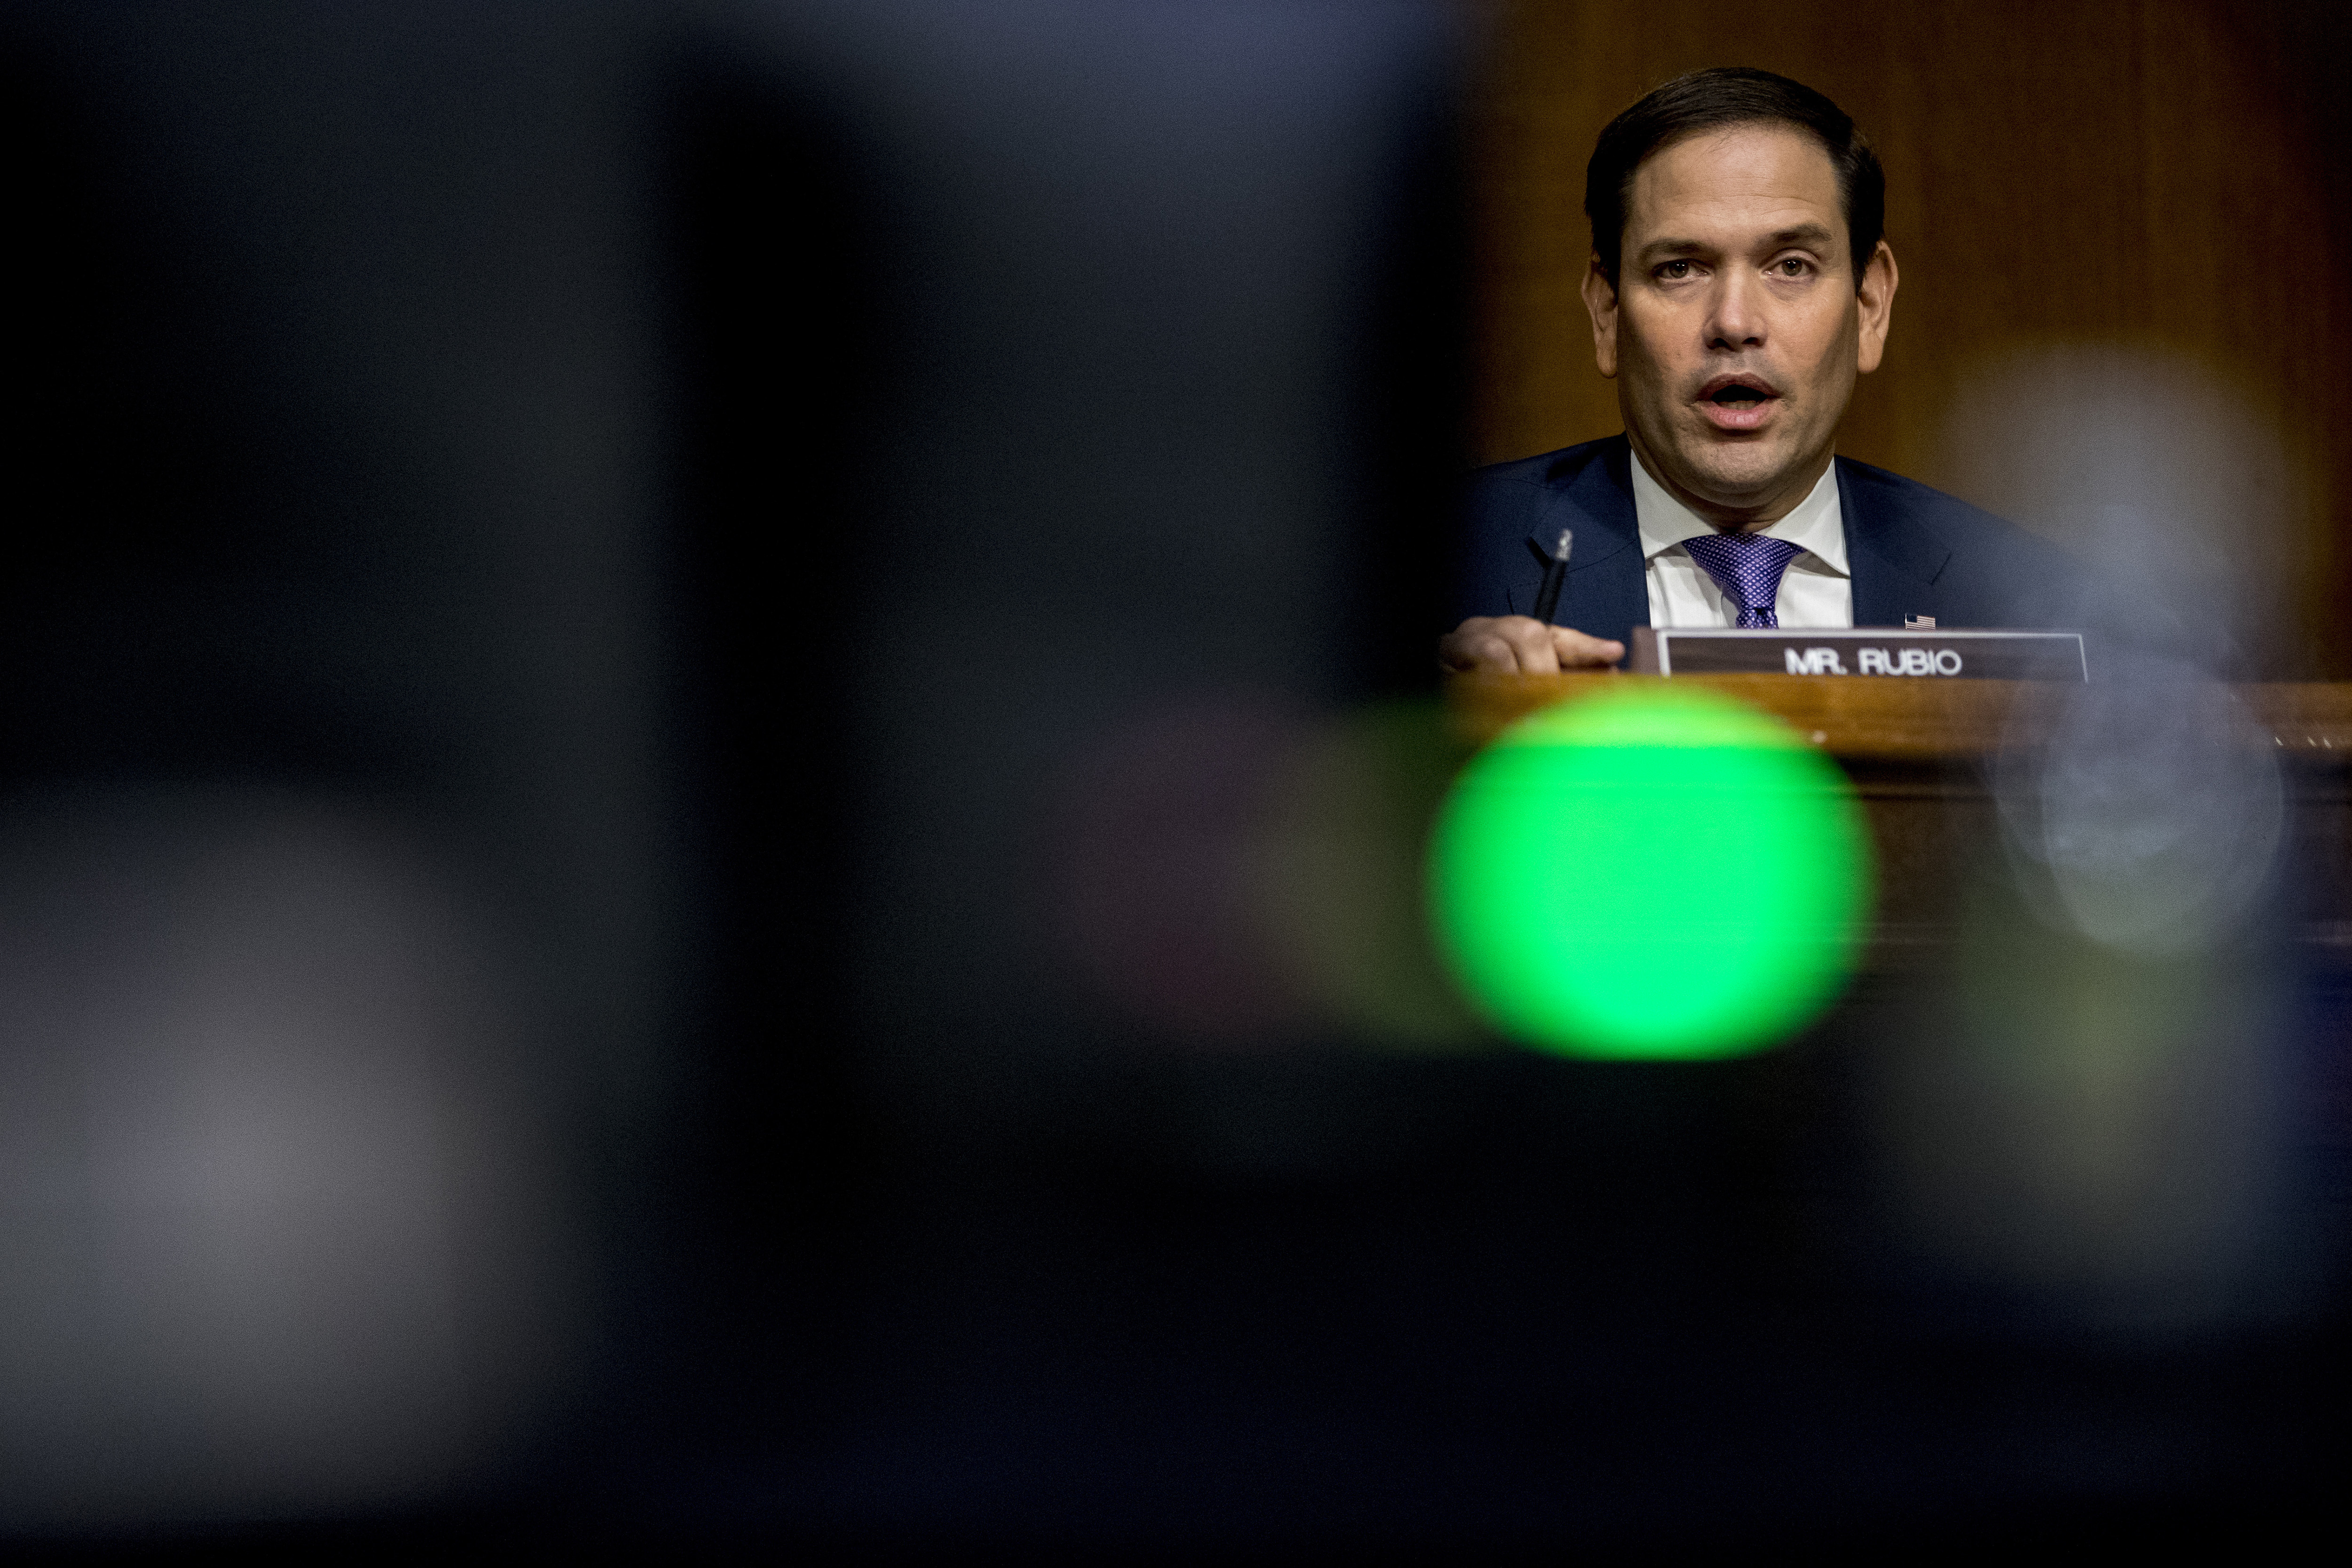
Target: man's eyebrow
point(1800, 233)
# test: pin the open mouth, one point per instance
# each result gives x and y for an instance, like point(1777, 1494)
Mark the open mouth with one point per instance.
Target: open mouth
point(1737, 391)
point(1737, 402)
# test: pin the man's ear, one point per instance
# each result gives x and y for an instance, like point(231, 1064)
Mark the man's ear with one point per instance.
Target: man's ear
point(1601, 301)
point(1877, 298)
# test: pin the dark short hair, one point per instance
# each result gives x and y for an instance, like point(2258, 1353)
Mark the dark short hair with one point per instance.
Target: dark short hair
point(1714, 99)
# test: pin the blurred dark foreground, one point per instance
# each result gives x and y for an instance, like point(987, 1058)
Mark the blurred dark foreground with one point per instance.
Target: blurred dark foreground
point(657, 659)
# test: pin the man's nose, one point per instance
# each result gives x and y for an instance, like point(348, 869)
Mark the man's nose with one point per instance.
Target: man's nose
point(1737, 319)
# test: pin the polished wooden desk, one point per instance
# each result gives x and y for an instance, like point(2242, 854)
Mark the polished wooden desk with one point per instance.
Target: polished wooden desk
point(1918, 752)
point(1865, 721)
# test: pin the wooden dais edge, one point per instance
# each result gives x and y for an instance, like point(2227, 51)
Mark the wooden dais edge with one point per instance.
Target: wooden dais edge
point(1907, 721)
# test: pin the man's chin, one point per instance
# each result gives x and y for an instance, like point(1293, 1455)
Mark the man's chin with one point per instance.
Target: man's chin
point(1724, 469)
point(1739, 476)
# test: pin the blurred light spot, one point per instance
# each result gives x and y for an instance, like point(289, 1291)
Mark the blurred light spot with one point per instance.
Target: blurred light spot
point(1340, 871)
point(1161, 839)
point(1241, 874)
point(1657, 871)
point(275, 1236)
point(2099, 1137)
point(2160, 475)
point(2151, 820)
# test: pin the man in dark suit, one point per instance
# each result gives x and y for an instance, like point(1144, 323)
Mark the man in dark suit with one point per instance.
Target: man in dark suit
point(1739, 284)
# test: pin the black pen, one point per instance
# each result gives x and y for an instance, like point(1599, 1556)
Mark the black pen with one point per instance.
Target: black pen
point(1555, 574)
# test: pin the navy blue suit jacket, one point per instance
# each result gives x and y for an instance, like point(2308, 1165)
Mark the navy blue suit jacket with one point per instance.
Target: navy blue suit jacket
point(1912, 550)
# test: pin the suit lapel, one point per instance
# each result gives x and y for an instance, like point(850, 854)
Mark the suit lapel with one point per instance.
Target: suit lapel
point(1895, 562)
point(1604, 594)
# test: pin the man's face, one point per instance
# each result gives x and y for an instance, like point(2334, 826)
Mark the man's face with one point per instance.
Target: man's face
point(1736, 329)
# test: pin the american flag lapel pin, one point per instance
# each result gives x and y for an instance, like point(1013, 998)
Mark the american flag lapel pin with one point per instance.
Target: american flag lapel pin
point(1918, 623)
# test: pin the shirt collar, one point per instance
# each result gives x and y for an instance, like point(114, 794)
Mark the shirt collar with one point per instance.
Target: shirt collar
point(1815, 524)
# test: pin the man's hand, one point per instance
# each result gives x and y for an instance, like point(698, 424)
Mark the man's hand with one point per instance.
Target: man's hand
point(1524, 645)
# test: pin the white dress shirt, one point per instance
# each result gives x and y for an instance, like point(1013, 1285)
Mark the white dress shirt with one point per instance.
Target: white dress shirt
point(1815, 591)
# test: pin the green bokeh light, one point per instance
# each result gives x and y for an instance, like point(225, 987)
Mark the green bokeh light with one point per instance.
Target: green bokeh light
point(1653, 872)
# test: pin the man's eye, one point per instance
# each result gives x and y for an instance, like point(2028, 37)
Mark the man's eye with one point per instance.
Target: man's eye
point(1791, 266)
point(1675, 270)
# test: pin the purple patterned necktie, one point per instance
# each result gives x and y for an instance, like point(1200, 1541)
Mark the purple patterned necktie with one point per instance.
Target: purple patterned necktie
point(1746, 567)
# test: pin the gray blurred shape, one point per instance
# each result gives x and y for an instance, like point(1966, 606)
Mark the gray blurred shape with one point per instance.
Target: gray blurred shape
point(277, 1236)
point(2149, 817)
point(2153, 468)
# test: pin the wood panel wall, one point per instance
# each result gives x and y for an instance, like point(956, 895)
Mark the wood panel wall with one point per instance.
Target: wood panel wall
point(2160, 179)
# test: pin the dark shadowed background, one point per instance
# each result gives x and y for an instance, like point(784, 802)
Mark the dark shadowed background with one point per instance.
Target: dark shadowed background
point(712, 724)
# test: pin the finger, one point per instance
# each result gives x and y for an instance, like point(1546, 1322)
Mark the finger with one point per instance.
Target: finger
point(1475, 646)
point(1469, 646)
point(1577, 651)
point(1490, 642)
point(1496, 651)
point(1532, 644)
point(1458, 650)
